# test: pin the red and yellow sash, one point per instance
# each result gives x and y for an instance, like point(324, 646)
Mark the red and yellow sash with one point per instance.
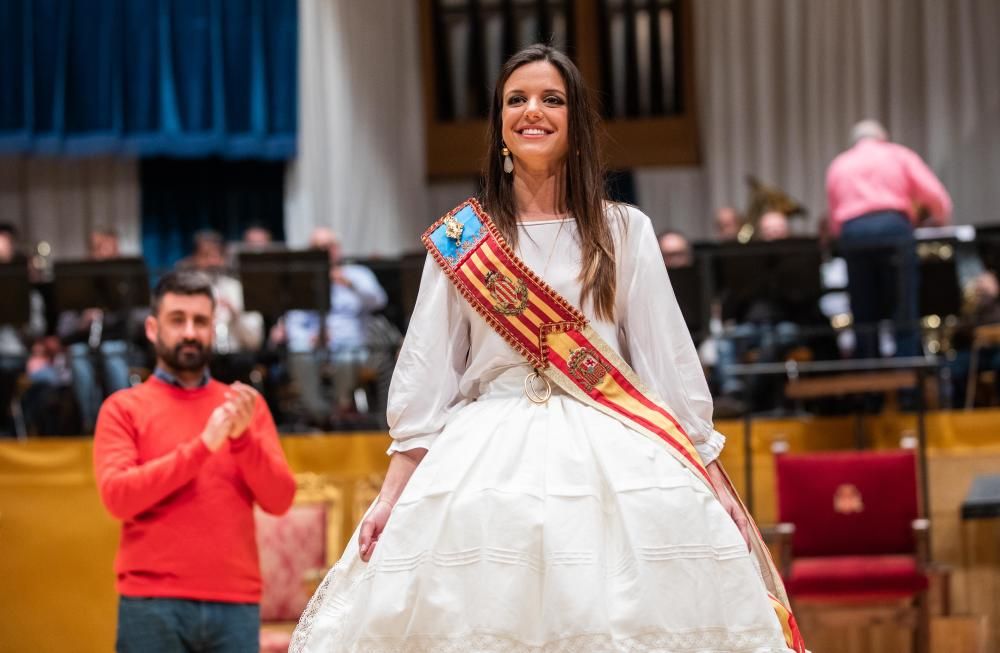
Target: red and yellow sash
point(557, 340)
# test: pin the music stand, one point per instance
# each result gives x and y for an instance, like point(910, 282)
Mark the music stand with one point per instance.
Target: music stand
point(940, 291)
point(117, 284)
point(277, 282)
point(687, 285)
point(400, 279)
point(988, 245)
point(16, 308)
point(785, 273)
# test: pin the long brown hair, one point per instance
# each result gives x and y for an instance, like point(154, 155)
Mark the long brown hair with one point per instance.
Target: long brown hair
point(583, 182)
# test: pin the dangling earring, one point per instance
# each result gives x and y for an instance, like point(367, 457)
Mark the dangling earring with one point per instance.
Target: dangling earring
point(508, 163)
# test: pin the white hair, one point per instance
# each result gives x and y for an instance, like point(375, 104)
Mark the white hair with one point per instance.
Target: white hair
point(868, 129)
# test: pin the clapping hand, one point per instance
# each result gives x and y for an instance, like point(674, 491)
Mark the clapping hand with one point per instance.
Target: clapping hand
point(231, 418)
point(242, 398)
point(339, 278)
point(217, 428)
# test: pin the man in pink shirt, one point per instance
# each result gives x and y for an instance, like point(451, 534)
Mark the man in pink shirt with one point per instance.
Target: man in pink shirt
point(876, 192)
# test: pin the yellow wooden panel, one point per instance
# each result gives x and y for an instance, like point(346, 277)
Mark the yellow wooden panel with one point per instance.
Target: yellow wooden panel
point(57, 543)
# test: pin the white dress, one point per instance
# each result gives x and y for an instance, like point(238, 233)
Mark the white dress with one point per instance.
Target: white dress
point(547, 528)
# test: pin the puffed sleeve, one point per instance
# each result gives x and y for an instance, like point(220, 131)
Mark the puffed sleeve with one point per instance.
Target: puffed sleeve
point(658, 342)
point(425, 384)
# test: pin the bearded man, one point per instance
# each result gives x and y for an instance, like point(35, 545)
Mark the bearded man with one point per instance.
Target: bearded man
point(181, 460)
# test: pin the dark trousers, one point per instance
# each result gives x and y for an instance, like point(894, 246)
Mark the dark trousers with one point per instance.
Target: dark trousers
point(11, 368)
point(89, 386)
point(155, 625)
point(883, 280)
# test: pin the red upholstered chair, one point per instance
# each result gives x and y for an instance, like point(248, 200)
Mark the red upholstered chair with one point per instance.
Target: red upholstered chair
point(296, 549)
point(857, 545)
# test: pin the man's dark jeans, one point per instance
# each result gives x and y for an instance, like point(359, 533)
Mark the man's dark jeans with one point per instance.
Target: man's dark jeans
point(155, 625)
point(883, 279)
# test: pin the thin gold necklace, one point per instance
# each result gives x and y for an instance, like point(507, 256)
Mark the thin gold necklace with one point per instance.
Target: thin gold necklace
point(533, 395)
point(552, 250)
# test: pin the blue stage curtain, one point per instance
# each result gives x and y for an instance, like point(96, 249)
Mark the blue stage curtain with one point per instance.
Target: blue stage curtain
point(181, 197)
point(182, 78)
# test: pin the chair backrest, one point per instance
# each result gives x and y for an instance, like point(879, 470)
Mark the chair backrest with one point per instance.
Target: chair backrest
point(849, 503)
point(298, 545)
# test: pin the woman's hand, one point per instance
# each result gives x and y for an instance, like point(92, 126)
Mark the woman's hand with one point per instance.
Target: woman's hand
point(728, 502)
point(372, 527)
point(401, 467)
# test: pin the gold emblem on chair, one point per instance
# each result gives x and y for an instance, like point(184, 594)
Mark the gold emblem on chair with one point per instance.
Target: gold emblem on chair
point(510, 298)
point(586, 367)
point(453, 228)
point(847, 500)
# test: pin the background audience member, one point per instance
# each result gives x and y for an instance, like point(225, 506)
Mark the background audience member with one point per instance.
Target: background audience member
point(16, 339)
point(772, 226)
point(8, 243)
point(256, 237)
point(676, 250)
point(727, 224)
point(239, 334)
point(13, 353)
point(97, 341)
point(46, 406)
point(766, 329)
point(341, 337)
point(876, 190)
point(980, 307)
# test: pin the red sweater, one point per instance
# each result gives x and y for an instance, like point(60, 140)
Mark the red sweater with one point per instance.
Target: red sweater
point(188, 526)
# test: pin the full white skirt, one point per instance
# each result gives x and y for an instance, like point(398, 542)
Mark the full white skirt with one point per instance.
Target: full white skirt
point(546, 529)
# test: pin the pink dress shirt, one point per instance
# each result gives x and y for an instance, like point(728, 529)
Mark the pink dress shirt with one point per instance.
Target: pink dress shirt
point(881, 176)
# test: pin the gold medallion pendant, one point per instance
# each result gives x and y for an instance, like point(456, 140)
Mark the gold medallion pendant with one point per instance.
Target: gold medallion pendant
point(533, 395)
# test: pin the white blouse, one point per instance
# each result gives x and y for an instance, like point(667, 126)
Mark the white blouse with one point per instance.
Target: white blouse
point(450, 352)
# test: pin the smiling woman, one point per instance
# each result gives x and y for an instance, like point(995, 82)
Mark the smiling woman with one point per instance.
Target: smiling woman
point(534, 118)
point(540, 89)
point(553, 484)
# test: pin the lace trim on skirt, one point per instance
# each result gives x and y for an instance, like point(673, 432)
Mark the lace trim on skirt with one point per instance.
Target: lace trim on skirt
point(701, 641)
